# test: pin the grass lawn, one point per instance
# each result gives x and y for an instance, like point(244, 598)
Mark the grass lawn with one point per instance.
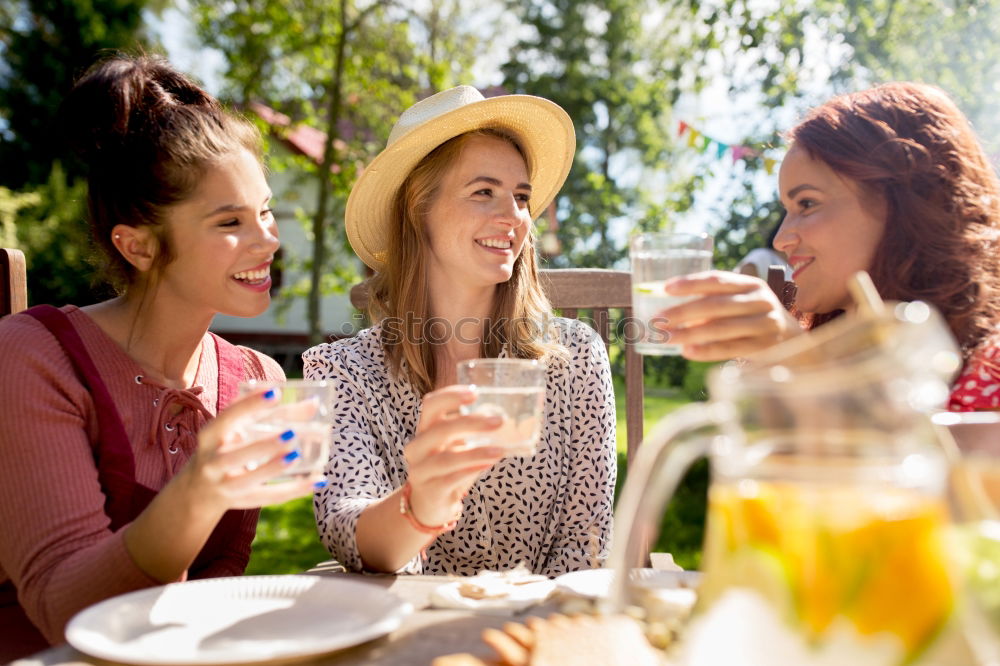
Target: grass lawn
point(287, 542)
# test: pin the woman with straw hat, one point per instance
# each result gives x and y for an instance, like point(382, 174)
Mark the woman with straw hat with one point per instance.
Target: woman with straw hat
point(444, 216)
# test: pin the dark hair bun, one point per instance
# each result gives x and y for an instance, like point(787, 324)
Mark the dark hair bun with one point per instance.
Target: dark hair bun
point(126, 101)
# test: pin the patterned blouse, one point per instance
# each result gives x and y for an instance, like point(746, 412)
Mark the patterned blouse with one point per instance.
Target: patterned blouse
point(551, 511)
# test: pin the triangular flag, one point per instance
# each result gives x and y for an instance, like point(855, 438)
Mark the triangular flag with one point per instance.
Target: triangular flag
point(769, 165)
point(693, 137)
point(738, 153)
point(720, 149)
point(681, 128)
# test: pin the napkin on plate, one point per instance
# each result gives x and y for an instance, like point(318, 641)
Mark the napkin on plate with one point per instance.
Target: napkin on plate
point(494, 591)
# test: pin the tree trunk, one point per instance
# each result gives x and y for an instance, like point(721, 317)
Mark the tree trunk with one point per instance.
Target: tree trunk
point(322, 204)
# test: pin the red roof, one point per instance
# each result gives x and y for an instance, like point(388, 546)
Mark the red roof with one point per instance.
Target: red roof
point(302, 139)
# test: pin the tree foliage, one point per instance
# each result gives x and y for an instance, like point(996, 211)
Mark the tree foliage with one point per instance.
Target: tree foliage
point(44, 46)
point(611, 65)
point(345, 67)
point(792, 55)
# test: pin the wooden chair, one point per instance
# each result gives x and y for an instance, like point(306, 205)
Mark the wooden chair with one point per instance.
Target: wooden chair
point(13, 282)
point(571, 290)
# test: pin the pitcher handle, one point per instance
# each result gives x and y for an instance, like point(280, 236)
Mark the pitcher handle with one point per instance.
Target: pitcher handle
point(652, 478)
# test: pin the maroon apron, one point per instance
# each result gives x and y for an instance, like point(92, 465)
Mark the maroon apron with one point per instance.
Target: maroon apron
point(125, 498)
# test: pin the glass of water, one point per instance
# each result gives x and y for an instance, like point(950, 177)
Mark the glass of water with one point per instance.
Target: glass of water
point(304, 408)
point(656, 257)
point(513, 389)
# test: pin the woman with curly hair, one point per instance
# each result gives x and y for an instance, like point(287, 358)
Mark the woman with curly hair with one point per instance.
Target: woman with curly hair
point(893, 181)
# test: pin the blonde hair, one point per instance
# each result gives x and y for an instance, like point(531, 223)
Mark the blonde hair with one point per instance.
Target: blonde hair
point(520, 320)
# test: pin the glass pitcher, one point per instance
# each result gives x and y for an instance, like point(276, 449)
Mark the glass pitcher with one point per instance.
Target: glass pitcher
point(823, 539)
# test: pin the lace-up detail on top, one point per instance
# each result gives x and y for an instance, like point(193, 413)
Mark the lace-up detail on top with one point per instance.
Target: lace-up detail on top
point(177, 417)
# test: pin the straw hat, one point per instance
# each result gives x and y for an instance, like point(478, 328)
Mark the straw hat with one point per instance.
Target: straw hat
point(543, 129)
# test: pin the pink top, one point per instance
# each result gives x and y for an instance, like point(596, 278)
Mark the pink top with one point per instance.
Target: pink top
point(55, 542)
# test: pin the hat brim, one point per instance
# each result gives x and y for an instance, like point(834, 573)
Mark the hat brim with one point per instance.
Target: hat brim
point(544, 130)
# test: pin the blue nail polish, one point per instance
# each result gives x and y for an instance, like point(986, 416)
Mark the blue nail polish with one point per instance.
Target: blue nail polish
point(291, 455)
point(270, 394)
point(321, 484)
point(287, 435)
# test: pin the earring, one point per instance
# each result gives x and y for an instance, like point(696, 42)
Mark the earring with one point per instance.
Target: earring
point(118, 236)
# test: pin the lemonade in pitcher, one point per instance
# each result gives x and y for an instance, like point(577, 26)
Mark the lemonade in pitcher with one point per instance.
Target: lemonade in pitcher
point(826, 535)
point(855, 563)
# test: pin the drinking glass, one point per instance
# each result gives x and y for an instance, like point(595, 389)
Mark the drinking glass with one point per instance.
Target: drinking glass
point(303, 407)
point(655, 257)
point(513, 389)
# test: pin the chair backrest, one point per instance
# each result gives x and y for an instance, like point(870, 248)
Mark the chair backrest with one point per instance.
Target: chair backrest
point(13, 282)
point(571, 290)
point(783, 289)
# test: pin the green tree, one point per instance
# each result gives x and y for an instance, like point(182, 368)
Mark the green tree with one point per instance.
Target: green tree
point(50, 227)
point(344, 68)
point(610, 66)
point(45, 45)
point(796, 55)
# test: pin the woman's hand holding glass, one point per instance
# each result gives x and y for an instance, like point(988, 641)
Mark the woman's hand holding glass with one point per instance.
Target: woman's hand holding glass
point(441, 466)
point(234, 471)
point(729, 315)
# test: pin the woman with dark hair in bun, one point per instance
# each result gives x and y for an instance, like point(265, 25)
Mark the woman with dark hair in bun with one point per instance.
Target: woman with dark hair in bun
point(120, 468)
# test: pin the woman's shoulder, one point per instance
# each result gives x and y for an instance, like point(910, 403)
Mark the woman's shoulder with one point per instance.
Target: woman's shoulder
point(575, 333)
point(360, 352)
point(22, 331)
point(260, 366)
point(29, 347)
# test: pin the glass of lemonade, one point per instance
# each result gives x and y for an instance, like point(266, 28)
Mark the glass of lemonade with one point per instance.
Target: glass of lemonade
point(655, 257)
point(304, 408)
point(513, 389)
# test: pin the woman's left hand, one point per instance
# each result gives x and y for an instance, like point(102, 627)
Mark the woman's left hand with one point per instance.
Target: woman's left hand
point(730, 315)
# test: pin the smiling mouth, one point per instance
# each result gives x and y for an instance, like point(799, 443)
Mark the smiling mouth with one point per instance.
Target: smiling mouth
point(495, 244)
point(255, 277)
point(799, 265)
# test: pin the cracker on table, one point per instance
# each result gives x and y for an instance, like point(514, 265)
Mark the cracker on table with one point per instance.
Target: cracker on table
point(511, 652)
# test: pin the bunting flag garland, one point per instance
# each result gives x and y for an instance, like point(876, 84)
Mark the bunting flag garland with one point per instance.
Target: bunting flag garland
point(701, 142)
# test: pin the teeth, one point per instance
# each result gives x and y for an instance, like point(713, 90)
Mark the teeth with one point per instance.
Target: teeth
point(253, 275)
point(492, 242)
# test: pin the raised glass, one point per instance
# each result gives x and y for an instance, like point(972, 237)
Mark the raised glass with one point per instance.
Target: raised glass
point(655, 257)
point(513, 389)
point(303, 407)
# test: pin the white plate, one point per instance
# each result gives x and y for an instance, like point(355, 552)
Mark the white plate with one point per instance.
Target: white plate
point(230, 620)
point(595, 583)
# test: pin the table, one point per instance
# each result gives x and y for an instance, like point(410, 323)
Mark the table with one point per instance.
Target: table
point(428, 633)
point(424, 634)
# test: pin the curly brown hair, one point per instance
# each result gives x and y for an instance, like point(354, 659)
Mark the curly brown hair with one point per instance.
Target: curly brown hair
point(910, 145)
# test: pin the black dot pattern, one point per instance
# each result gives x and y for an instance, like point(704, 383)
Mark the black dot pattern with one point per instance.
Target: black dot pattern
point(552, 511)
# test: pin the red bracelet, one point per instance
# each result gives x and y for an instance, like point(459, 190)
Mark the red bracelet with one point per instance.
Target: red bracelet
point(407, 510)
